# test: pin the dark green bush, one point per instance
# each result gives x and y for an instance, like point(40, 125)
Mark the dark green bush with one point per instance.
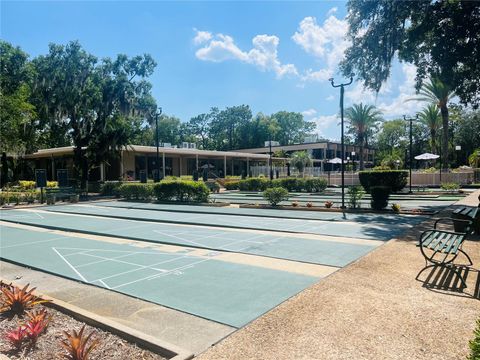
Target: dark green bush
point(394, 179)
point(213, 186)
point(355, 194)
point(253, 184)
point(136, 191)
point(110, 188)
point(291, 184)
point(181, 191)
point(380, 195)
point(315, 185)
point(275, 195)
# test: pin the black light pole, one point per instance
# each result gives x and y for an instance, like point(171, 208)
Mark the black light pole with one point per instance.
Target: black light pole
point(157, 114)
point(270, 160)
point(410, 119)
point(342, 91)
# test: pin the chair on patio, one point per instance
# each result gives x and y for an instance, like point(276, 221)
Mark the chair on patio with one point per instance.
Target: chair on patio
point(441, 247)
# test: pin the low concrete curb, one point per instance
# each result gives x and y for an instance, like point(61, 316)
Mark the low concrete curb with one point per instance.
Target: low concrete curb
point(170, 351)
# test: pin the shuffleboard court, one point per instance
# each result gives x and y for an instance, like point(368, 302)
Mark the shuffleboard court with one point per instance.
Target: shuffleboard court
point(327, 251)
point(229, 293)
point(275, 213)
point(364, 230)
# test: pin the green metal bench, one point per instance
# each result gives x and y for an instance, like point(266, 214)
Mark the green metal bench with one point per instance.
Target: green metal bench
point(467, 213)
point(441, 247)
point(60, 192)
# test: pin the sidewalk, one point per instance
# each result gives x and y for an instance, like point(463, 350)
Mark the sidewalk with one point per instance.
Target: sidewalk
point(372, 309)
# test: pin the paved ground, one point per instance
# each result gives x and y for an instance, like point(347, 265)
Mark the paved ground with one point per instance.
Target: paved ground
point(373, 309)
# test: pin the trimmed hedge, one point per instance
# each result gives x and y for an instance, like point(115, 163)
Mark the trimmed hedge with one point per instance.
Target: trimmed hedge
point(136, 191)
point(232, 185)
point(396, 180)
point(380, 196)
point(291, 184)
point(110, 188)
point(254, 184)
point(181, 191)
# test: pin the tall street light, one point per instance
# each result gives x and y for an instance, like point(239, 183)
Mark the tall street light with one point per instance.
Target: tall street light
point(342, 91)
point(410, 119)
point(156, 178)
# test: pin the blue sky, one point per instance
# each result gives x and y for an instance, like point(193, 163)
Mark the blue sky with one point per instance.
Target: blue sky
point(270, 55)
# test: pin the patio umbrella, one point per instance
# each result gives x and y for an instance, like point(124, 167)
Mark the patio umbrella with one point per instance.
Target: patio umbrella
point(209, 166)
point(427, 156)
point(335, 161)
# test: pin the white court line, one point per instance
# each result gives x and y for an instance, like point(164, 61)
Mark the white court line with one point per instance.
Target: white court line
point(103, 283)
point(140, 267)
point(33, 243)
point(151, 277)
point(177, 237)
point(71, 266)
point(100, 261)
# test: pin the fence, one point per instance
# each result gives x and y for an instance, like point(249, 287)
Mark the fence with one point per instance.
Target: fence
point(351, 178)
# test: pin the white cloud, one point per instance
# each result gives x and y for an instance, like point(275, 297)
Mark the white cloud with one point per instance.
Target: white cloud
point(324, 122)
point(201, 37)
point(309, 112)
point(330, 98)
point(326, 42)
point(333, 10)
point(263, 55)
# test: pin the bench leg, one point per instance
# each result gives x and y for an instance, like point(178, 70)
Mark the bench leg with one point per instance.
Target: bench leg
point(466, 255)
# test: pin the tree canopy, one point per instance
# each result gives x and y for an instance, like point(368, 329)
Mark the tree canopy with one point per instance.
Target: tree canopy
point(442, 38)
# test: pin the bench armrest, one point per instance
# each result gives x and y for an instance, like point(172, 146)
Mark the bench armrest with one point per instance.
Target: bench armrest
point(467, 222)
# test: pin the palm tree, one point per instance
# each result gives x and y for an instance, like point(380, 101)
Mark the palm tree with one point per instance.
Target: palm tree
point(430, 117)
point(439, 93)
point(301, 159)
point(362, 118)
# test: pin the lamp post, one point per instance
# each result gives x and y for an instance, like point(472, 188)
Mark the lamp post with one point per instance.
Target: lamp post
point(270, 158)
point(458, 148)
point(342, 91)
point(156, 178)
point(353, 161)
point(410, 119)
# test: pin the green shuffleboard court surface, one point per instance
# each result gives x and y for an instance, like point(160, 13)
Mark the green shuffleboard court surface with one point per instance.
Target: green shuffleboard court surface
point(362, 230)
point(229, 293)
point(275, 213)
point(326, 252)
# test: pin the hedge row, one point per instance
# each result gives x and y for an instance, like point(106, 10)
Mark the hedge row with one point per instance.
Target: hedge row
point(190, 191)
point(15, 197)
point(396, 180)
point(291, 184)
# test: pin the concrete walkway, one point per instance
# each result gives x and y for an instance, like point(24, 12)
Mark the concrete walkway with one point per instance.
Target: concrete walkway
point(372, 309)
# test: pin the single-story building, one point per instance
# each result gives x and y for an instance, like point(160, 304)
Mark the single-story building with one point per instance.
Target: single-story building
point(172, 161)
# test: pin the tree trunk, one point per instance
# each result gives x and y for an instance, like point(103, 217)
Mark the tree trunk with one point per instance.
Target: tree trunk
point(444, 112)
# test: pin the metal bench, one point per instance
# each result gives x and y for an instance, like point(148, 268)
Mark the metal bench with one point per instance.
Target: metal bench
point(60, 192)
point(467, 213)
point(441, 247)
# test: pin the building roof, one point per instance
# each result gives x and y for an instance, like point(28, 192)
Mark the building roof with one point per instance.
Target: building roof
point(68, 150)
point(296, 147)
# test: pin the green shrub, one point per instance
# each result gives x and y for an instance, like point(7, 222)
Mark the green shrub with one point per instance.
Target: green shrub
point(94, 187)
point(291, 184)
point(394, 179)
point(355, 194)
point(275, 195)
point(110, 188)
point(232, 185)
point(380, 195)
point(315, 184)
point(136, 191)
point(181, 191)
point(253, 184)
point(475, 344)
point(26, 185)
point(213, 186)
point(450, 186)
point(52, 184)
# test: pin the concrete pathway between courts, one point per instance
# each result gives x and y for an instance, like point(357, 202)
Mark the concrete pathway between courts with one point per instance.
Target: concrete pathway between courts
point(372, 309)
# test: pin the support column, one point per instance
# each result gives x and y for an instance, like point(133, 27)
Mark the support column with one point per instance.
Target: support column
point(233, 168)
point(53, 169)
point(121, 165)
point(196, 160)
point(248, 168)
point(146, 164)
point(163, 164)
point(180, 165)
point(225, 166)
